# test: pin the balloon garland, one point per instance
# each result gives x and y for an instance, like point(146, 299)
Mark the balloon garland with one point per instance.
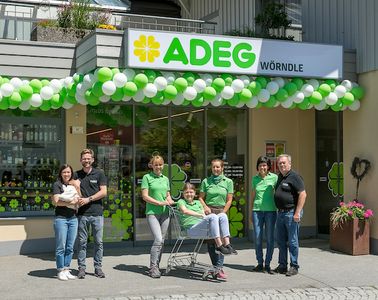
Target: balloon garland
point(162, 88)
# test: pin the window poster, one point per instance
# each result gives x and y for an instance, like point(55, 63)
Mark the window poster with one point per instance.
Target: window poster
point(272, 150)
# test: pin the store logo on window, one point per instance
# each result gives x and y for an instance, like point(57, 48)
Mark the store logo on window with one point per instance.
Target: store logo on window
point(146, 48)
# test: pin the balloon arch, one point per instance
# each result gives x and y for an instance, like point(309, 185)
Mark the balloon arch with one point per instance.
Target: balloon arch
point(162, 88)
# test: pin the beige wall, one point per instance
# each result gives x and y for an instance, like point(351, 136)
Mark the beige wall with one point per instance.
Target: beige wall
point(360, 139)
point(297, 128)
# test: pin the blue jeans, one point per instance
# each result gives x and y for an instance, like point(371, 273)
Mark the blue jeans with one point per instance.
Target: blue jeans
point(287, 238)
point(97, 224)
point(260, 220)
point(65, 235)
point(217, 260)
point(211, 226)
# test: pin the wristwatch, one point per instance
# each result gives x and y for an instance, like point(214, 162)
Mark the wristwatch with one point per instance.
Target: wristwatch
point(90, 199)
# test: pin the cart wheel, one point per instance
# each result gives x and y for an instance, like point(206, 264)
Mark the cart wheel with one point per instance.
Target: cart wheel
point(205, 275)
point(167, 270)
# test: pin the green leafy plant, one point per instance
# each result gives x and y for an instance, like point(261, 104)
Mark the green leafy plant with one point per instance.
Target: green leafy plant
point(347, 212)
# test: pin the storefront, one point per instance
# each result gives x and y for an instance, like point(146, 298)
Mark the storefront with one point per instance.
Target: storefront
point(190, 98)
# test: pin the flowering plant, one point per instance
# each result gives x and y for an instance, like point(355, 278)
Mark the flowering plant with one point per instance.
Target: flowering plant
point(107, 26)
point(349, 211)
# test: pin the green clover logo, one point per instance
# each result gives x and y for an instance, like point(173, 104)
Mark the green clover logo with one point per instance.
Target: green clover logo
point(178, 178)
point(335, 175)
point(121, 221)
point(235, 217)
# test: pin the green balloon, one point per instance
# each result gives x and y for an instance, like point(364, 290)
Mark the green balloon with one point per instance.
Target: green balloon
point(190, 77)
point(170, 92)
point(130, 89)
point(70, 99)
point(324, 89)
point(26, 91)
point(115, 71)
point(146, 100)
point(282, 95)
point(298, 82)
point(56, 101)
point(245, 95)
point(151, 75)
point(5, 80)
point(332, 83)
point(118, 95)
point(4, 103)
point(234, 100)
point(78, 78)
point(93, 100)
point(186, 103)
point(45, 82)
point(259, 105)
point(104, 74)
point(305, 104)
point(316, 98)
point(254, 87)
point(290, 88)
point(36, 85)
point(140, 80)
point(271, 102)
point(348, 98)
point(97, 89)
point(337, 106)
point(198, 102)
point(263, 81)
point(71, 89)
point(46, 105)
point(15, 99)
point(218, 84)
point(227, 79)
point(158, 99)
point(358, 92)
point(181, 84)
point(209, 93)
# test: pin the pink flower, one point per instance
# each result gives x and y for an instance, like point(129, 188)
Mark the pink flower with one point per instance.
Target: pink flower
point(369, 212)
point(342, 203)
point(350, 212)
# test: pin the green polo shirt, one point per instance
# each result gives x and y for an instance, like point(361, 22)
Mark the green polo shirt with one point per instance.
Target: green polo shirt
point(264, 188)
point(188, 221)
point(157, 187)
point(216, 190)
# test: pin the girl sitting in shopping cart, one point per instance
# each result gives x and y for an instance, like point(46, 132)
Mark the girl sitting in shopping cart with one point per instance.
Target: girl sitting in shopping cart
point(199, 225)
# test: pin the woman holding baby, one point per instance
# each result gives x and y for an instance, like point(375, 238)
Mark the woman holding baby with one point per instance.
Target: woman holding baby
point(66, 193)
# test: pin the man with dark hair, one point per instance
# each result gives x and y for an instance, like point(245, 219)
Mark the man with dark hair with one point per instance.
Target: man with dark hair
point(93, 189)
point(290, 197)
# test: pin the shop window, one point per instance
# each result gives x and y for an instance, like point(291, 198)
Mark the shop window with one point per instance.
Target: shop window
point(31, 151)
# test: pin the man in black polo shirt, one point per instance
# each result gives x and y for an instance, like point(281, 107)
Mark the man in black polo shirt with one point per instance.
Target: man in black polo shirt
point(93, 189)
point(290, 196)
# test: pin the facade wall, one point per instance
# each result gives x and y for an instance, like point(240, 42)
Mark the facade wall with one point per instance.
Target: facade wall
point(360, 141)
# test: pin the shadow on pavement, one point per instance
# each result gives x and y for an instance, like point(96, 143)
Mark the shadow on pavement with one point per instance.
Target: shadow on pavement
point(47, 273)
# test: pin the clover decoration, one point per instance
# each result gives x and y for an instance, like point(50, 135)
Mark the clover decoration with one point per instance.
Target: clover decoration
point(336, 179)
point(177, 179)
point(359, 169)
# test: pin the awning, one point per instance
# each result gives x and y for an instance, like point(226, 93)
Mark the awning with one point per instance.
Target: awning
point(162, 88)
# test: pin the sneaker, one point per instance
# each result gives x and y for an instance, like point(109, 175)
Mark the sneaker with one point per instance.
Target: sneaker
point(233, 251)
point(99, 273)
point(223, 250)
point(154, 272)
point(62, 276)
point(69, 275)
point(258, 268)
point(292, 271)
point(280, 270)
point(268, 270)
point(81, 274)
point(221, 275)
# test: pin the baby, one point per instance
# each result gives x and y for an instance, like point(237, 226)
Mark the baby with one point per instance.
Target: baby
point(69, 193)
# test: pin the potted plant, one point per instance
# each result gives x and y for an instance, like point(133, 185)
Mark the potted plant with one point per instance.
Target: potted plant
point(350, 231)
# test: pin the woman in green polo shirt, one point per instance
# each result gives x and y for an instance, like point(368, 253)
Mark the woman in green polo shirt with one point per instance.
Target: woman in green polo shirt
point(155, 191)
point(263, 212)
point(216, 194)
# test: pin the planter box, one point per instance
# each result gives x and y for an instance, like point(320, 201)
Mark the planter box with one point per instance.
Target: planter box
point(352, 238)
point(58, 35)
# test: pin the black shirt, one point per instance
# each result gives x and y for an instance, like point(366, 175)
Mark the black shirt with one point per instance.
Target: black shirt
point(89, 185)
point(62, 211)
point(287, 189)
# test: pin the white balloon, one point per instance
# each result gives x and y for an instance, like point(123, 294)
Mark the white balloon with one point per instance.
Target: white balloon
point(288, 102)
point(67, 105)
point(199, 85)
point(217, 101)
point(25, 82)
point(139, 96)
point(253, 102)
point(130, 74)
point(190, 93)
point(80, 97)
point(227, 93)
point(160, 83)
point(104, 98)
point(1, 95)
point(314, 83)
point(150, 90)
point(263, 96)
point(307, 89)
point(347, 84)
point(298, 97)
point(56, 85)
point(46, 92)
point(169, 76)
point(354, 84)
point(16, 82)
point(240, 104)
point(355, 105)
point(119, 80)
point(207, 78)
point(237, 85)
point(7, 89)
point(126, 98)
point(331, 99)
point(36, 100)
point(272, 87)
point(80, 89)
point(205, 103)
point(280, 81)
point(81, 100)
point(67, 81)
point(321, 106)
point(109, 88)
point(245, 80)
point(24, 105)
point(340, 91)
point(179, 99)
point(166, 102)
point(89, 79)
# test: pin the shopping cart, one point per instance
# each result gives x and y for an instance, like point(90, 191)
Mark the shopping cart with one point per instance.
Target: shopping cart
point(184, 260)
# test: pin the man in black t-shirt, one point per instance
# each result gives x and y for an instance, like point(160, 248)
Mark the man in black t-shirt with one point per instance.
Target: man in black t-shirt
point(93, 189)
point(290, 196)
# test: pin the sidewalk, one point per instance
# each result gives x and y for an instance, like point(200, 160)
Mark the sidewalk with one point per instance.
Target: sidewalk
point(324, 274)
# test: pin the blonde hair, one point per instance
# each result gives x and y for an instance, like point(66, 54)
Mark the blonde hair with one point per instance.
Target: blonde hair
point(189, 186)
point(155, 158)
point(87, 151)
point(218, 160)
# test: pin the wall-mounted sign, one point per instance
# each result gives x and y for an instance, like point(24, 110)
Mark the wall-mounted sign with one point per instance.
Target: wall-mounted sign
point(160, 50)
